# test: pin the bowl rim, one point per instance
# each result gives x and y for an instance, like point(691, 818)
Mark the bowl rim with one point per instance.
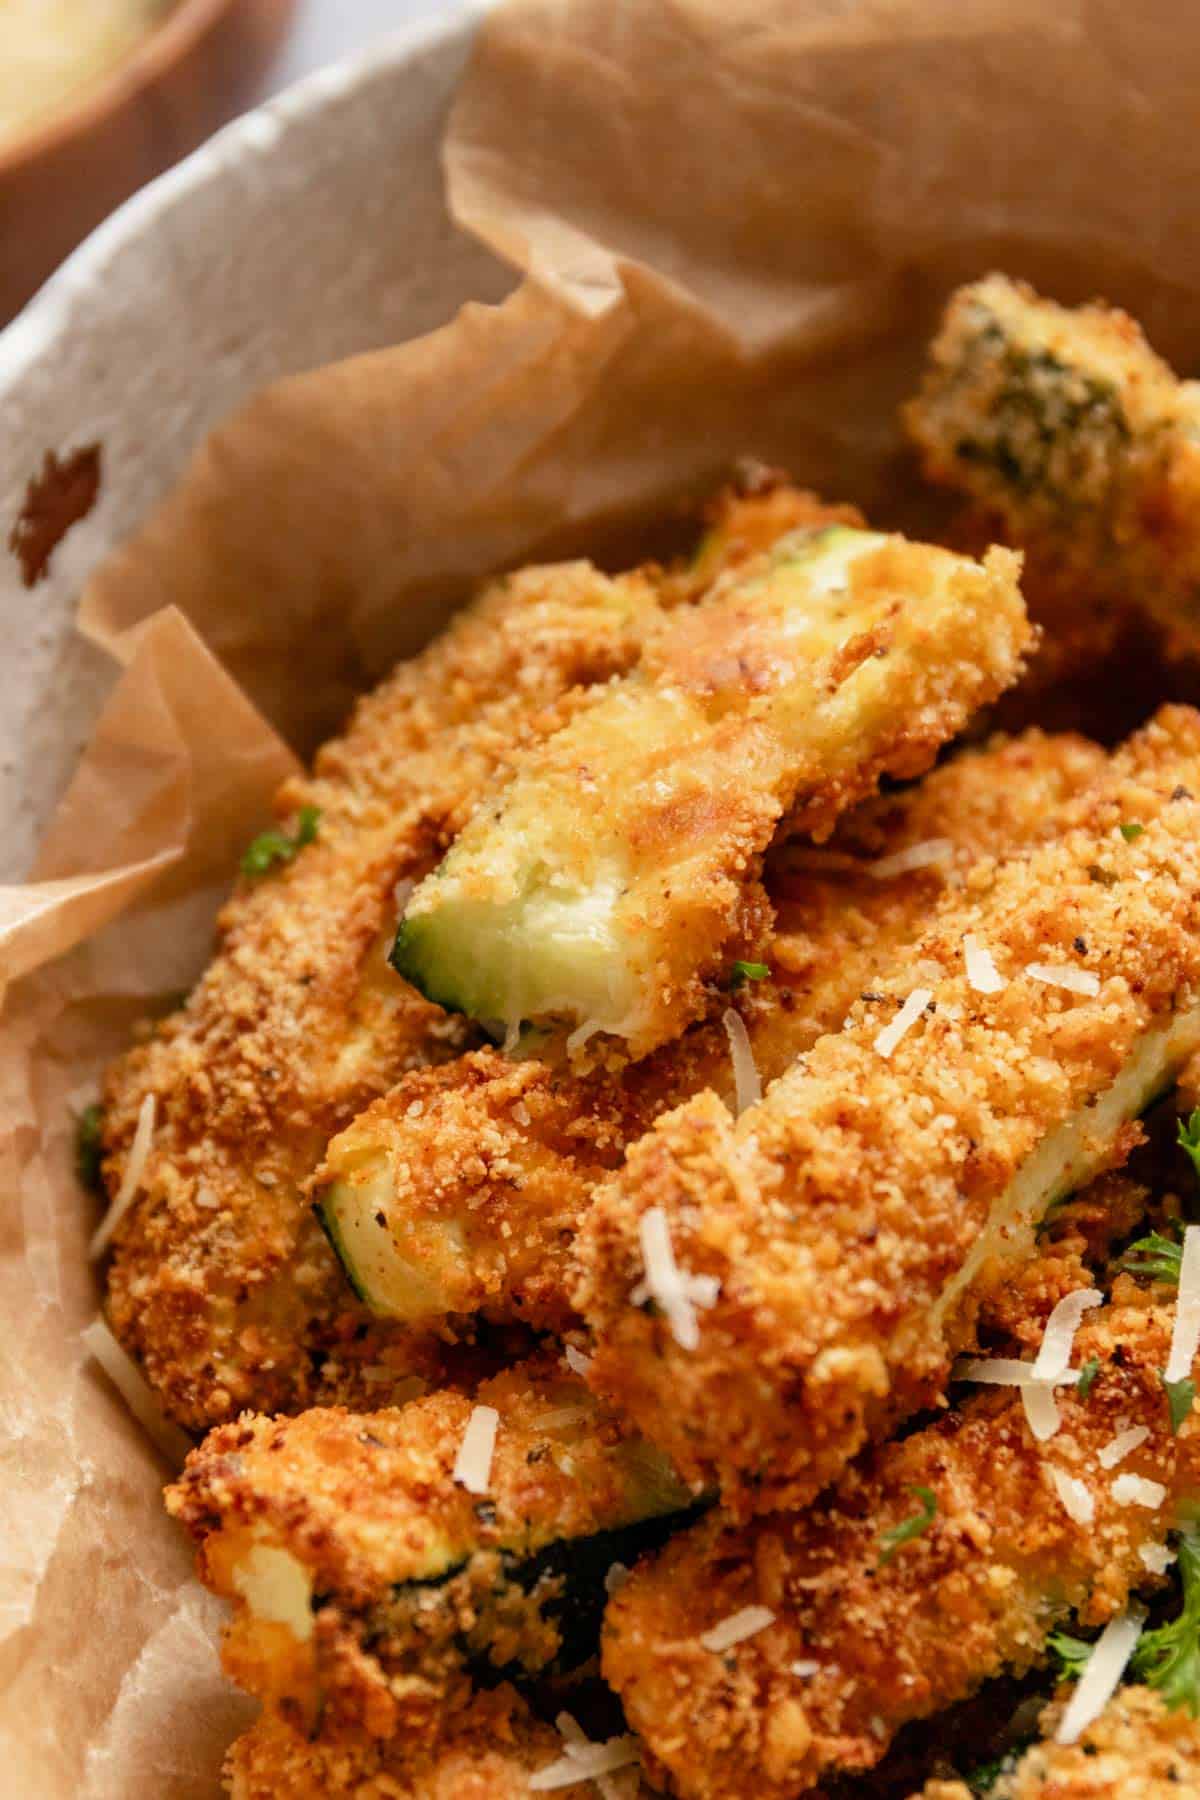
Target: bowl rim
point(252, 134)
point(166, 41)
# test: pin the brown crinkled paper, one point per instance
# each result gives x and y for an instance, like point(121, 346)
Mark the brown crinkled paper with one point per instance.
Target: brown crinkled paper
point(737, 220)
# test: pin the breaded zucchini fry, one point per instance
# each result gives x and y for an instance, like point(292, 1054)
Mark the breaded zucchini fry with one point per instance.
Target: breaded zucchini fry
point(940, 1561)
point(461, 1189)
point(1137, 1749)
point(222, 1283)
point(617, 874)
point(367, 1578)
point(839, 1234)
point(489, 1753)
point(1065, 427)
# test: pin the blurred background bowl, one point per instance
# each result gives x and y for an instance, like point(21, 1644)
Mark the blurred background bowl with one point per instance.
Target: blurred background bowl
point(188, 74)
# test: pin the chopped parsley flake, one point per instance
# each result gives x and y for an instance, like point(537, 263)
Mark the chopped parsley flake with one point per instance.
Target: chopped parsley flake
point(1072, 1654)
point(1169, 1659)
point(1131, 831)
point(1087, 1377)
point(1157, 1257)
point(1189, 1138)
point(1180, 1395)
point(748, 971)
point(275, 846)
point(88, 1146)
point(897, 1536)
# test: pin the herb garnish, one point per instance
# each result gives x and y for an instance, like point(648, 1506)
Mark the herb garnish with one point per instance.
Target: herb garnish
point(1072, 1654)
point(748, 971)
point(1156, 1256)
point(1131, 831)
point(1189, 1138)
point(275, 846)
point(897, 1536)
point(1087, 1377)
point(1180, 1395)
point(1169, 1659)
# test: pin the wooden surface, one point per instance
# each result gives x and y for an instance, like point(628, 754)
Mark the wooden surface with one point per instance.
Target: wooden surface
point(204, 65)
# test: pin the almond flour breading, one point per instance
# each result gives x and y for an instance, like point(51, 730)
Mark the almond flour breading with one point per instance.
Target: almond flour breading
point(853, 1218)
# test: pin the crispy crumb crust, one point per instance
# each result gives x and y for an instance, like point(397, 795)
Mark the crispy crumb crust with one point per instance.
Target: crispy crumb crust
point(975, 1593)
point(838, 1211)
point(221, 1284)
point(1135, 1750)
point(410, 1573)
point(493, 1749)
point(1074, 440)
point(491, 1163)
point(672, 787)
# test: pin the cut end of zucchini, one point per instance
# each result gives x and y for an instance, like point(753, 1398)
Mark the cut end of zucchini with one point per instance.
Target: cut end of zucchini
point(553, 951)
point(563, 906)
point(398, 1268)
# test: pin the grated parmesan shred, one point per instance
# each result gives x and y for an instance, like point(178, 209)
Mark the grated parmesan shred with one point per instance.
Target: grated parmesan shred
point(805, 1667)
point(924, 855)
point(136, 1392)
point(1005, 1371)
point(1041, 1409)
point(1102, 1676)
point(1054, 1352)
point(131, 1180)
point(1118, 1448)
point(576, 1361)
point(1062, 975)
point(675, 1290)
point(1077, 1498)
point(1156, 1558)
point(473, 1464)
point(982, 973)
point(1137, 1490)
point(585, 1761)
point(743, 1624)
point(1185, 1335)
point(904, 1020)
point(746, 1079)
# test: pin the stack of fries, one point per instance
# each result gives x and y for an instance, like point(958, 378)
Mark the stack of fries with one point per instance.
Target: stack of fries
point(670, 1208)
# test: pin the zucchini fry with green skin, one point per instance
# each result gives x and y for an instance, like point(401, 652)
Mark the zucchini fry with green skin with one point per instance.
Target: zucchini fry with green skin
point(1137, 1749)
point(851, 1220)
point(609, 883)
point(488, 1754)
point(222, 1284)
point(1066, 427)
point(367, 1579)
point(461, 1189)
point(939, 1562)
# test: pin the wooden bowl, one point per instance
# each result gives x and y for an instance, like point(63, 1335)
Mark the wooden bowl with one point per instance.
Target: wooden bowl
point(187, 76)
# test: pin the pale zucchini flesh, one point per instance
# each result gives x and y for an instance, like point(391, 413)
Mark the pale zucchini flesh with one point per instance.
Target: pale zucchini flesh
point(554, 908)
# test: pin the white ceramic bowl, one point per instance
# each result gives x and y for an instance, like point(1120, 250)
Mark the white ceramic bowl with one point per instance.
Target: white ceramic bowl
point(310, 229)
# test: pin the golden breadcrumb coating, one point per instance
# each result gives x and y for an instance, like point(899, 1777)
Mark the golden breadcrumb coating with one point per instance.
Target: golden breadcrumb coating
point(222, 1284)
point(476, 1173)
point(492, 1750)
point(365, 1576)
point(1078, 444)
point(853, 1217)
point(607, 888)
point(899, 1637)
point(1136, 1750)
